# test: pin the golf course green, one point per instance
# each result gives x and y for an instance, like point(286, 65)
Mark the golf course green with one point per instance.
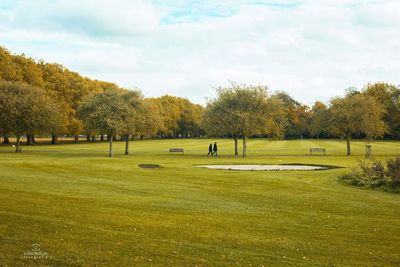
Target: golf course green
point(85, 209)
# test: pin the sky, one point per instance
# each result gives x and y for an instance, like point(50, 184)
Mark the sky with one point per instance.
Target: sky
point(313, 50)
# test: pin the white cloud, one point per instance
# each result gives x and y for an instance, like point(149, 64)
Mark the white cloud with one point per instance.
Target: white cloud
point(312, 50)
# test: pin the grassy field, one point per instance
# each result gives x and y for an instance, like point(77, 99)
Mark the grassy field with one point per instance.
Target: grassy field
point(85, 209)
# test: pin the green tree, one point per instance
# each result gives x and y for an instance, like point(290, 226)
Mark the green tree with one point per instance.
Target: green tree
point(134, 100)
point(108, 113)
point(26, 109)
point(356, 114)
point(242, 111)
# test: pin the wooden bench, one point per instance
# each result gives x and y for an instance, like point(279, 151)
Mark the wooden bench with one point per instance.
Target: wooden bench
point(317, 150)
point(176, 150)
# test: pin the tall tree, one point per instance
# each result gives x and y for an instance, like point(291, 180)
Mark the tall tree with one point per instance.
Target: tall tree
point(25, 109)
point(356, 114)
point(108, 113)
point(134, 100)
point(388, 95)
point(318, 119)
point(242, 111)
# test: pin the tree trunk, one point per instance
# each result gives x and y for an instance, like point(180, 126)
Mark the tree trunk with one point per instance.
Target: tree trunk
point(236, 146)
point(6, 140)
point(102, 137)
point(88, 138)
point(93, 139)
point(29, 139)
point(110, 154)
point(142, 137)
point(54, 139)
point(76, 139)
point(127, 145)
point(348, 137)
point(18, 147)
point(244, 147)
point(33, 139)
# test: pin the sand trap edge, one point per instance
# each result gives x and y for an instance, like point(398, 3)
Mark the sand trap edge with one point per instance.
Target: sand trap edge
point(268, 167)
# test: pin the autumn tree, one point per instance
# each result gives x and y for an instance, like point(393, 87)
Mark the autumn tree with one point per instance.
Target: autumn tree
point(190, 119)
point(318, 119)
point(63, 86)
point(242, 111)
point(356, 114)
point(25, 109)
point(388, 95)
point(149, 121)
point(298, 116)
point(9, 69)
point(178, 116)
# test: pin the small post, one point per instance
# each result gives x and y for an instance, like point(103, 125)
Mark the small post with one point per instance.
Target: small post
point(368, 151)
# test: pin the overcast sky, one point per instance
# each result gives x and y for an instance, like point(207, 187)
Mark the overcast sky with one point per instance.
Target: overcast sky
point(311, 49)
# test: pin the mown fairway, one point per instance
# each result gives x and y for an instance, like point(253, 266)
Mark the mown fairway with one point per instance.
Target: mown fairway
point(85, 209)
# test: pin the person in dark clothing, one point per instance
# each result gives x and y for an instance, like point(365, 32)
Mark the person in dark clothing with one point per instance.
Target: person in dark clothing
point(210, 150)
point(215, 149)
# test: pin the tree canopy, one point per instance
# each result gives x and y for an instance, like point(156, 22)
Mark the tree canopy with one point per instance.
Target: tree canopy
point(25, 109)
point(242, 111)
point(388, 95)
point(319, 119)
point(178, 116)
point(110, 112)
point(356, 113)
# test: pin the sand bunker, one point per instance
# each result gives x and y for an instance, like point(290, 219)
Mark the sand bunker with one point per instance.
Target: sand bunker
point(266, 167)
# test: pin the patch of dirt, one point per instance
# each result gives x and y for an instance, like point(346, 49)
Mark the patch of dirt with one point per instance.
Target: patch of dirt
point(149, 166)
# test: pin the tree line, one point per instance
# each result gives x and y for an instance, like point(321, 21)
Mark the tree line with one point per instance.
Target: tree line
point(24, 80)
point(45, 98)
point(242, 111)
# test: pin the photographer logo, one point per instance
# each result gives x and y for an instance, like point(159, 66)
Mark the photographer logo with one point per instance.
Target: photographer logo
point(35, 253)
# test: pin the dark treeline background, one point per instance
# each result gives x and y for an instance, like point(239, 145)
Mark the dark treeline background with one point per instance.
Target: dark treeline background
point(166, 116)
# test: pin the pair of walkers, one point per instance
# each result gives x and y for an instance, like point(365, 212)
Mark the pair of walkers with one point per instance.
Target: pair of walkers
point(213, 150)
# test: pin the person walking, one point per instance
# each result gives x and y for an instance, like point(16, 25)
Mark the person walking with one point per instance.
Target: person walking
point(215, 149)
point(210, 150)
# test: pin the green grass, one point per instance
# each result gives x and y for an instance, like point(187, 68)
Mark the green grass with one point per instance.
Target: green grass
point(85, 209)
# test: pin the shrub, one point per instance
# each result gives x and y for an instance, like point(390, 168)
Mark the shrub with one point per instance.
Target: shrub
point(393, 170)
point(375, 174)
